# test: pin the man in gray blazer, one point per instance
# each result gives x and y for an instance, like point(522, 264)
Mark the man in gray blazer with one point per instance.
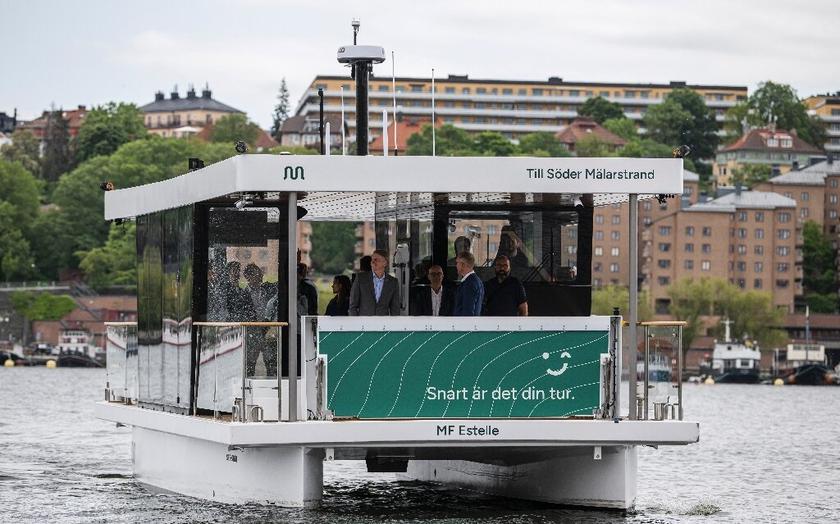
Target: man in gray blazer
point(375, 293)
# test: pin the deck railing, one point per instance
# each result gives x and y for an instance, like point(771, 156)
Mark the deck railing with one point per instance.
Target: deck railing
point(659, 373)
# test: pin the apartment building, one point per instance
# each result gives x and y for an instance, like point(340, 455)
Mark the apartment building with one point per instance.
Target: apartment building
point(178, 116)
point(38, 126)
point(510, 107)
point(827, 108)
point(782, 150)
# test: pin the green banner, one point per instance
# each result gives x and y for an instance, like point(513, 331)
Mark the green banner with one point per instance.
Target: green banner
point(462, 374)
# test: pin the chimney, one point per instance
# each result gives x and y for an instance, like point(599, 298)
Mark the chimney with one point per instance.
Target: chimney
point(794, 133)
point(174, 94)
point(82, 108)
point(191, 92)
point(158, 96)
point(205, 93)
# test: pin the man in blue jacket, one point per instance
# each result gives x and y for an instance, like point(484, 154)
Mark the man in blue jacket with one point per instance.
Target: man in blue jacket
point(470, 295)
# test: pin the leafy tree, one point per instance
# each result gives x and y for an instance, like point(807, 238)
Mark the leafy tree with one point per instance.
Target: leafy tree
point(600, 110)
point(332, 246)
point(490, 143)
point(25, 149)
point(755, 317)
point(646, 148)
point(692, 300)
point(15, 258)
point(281, 110)
point(683, 118)
point(543, 144)
point(751, 174)
point(779, 103)
point(42, 306)
point(592, 146)
point(106, 128)
point(21, 190)
point(57, 158)
point(114, 263)
point(52, 244)
point(235, 127)
point(449, 141)
point(606, 298)
point(623, 127)
point(293, 150)
point(819, 270)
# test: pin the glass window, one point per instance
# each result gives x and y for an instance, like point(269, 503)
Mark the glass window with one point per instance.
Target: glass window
point(598, 235)
point(741, 265)
point(782, 267)
point(664, 247)
point(664, 230)
point(742, 249)
point(784, 217)
point(615, 235)
point(663, 281)
point(758, 267)
point(707, 231)
point(688, 264)
point(783, 234)
point(449, 90)
point(706, 265)
point(757, 283)
point(783, 251)
point(689, 231)
point(805, 196)
point(664, 263)
point(598, 251)
point(758, 250)
point(742, 216)
point(707, 248)
point(803, 212)
point(759, 216)
point(614, 267)
point(759, 234)
point(616, 219)
point(614, 251)
point(689, 248)
point(599, 219)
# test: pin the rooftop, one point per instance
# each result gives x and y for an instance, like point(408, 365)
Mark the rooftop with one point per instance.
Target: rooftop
point(744, 199)
point(583, 127)
point(192, 102)
point(770, 140)
point(406, 127)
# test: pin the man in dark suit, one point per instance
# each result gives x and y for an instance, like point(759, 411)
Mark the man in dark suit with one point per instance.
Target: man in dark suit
point(470, 295)
point(376, 293)
point(434, 299)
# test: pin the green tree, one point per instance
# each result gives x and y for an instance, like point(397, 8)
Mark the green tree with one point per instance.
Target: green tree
point(449, 141)
point(646, 148)
point(21, 189)
point(42, 306)
point(600, 110)
point(333, 246)
point(281, 110)
point(25, 149)
point(490, 143)
point(542, 144)
point(606, 298)
point(235, 127)
point(751, 174)
point(15, 258)
point(57, 158)
point(106, 128)
point(623, 127)
point(292, 150)
point(754, 317)
point(819, 270)
point(592, 146)
point(779, 103)
point(683, 118)
point(114, 263)
point(692, 300)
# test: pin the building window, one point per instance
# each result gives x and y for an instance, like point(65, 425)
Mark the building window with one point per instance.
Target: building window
point(688, 264)
point(507, 91)
point(596, 267)
point(783, 251)
point(599, 235)
point(782, 267)
point(615, 235)
point(707, 248)
point(742, 249)
point(707, 231)
point(741, 265)
point(646, 205)
point(803, 212)
point(706, 265)
point(646, 221)
point(784, 217)
point(758, 267)
point(757, 283)
point(614, 268)
point(664, 247)
point(832, 199)
point(599, 251)
point(742, 216)
point(833, 183)
point(614, 251)
point(663, 281)
point(742, 232)
point(758, 250)
point(616, 219)
point(782, 283)
point(664, 230)
point(383, 87)
point(664, 263)
point(689, 231)
point(805, 196)
point(465, 91)
point(689, 248)
point(759, 234)
point(449, 90)
point(480, 91)
point(537, 92)
point(742, 283)
point(783, 234)
point(599, 219)
point(662, 306)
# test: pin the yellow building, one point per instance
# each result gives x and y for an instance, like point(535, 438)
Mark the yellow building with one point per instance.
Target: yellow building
point(827, 108)
point(180, 117)
point(510, 107)
point(781, 150)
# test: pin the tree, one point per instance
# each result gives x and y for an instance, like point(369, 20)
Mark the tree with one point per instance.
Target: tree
point(24, 149)
point(754, 317)
point(542, 144)
point(449, 141)
point(751, 174)
point(281, 110)
point(606, 298)
point(15, 258)
point(691, 300)
point(42, 306)
point(106, 128)
point(646, 148)
point(592, 146)
point(623, 127)
point(819, 270)
point(332, 246)
point(57, 158)
point(777, 104)
point(21, 190)
point(113, 264)
point(491, 143)
point(235, 127)
point(683, 118)
point(600, 109)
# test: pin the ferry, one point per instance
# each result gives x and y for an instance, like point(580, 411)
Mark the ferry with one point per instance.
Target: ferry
point(231, 396)
point(733, 361)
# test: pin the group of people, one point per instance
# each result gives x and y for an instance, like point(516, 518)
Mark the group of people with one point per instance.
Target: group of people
point(373, 292)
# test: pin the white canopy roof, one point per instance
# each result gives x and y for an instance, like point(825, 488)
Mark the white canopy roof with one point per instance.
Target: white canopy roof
point(360, 175)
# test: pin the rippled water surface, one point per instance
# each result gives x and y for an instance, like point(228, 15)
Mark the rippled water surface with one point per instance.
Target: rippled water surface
point(765, 455)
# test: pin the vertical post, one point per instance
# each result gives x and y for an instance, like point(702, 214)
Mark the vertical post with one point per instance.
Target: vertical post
point(244, 370)
point(343, 138)
point(293, 312)
point(328, 148)
point(321, 117)
point(361, 75)
point(679, 369)
point(433, 111)
point(385, 132)
point(646, 369)
point(394, 96)
point(634, 299)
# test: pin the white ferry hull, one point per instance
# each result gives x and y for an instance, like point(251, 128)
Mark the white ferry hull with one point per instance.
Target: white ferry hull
point(573, 478)
point(288, 476)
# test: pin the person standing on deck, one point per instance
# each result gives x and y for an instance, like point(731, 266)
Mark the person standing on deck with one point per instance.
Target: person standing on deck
point(504, 295)
point(376, 293)
point(308, 289)
point(470, 295)
point(435, 299)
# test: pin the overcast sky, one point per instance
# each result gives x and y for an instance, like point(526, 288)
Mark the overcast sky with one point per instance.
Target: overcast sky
point(94, 51)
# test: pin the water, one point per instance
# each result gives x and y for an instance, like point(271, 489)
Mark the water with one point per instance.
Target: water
point(765, 455)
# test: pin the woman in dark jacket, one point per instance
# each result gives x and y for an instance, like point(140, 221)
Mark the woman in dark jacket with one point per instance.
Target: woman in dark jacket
point(340, 304)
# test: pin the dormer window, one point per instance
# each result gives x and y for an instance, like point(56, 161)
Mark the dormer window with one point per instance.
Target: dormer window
point(772, 142)
point(787, 142)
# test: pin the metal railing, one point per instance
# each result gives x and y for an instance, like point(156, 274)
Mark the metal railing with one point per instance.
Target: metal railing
point(663, 349)
point(240, 370)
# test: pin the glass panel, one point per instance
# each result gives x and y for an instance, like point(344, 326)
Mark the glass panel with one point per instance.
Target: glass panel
point(661, 343)
point(185, 286)
point(150, 283)
point(121, 367)
point(170, 308)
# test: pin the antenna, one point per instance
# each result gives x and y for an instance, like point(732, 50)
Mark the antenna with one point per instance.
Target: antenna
point(394, 93)
point(433, 111)
point(361, 58)
point(355, 23)
point(384, 132)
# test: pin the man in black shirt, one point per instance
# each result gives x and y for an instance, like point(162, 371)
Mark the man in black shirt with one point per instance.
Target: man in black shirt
point(504, 296)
